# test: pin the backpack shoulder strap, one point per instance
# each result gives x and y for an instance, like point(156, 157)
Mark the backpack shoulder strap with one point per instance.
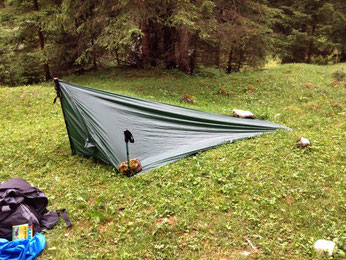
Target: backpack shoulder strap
point(50, 218)
point(65, 217)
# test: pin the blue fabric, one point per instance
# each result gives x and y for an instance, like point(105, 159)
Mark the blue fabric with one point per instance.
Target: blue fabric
point(22, 249)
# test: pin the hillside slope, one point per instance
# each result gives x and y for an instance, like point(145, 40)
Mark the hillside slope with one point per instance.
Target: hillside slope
point(266, 190)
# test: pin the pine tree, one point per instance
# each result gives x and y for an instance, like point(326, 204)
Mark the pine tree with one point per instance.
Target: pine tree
point(22, 18)
point(309, 31)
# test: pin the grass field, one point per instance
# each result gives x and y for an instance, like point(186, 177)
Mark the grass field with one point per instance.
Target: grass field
point(265, 190)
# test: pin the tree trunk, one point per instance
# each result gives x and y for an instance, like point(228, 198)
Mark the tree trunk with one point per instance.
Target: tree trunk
point(193, 57)
point(240, 61)
point(145, 44)
point(169, 47)
point(154, 43)
point(311, 43)
point(94, 54)
point(184, 50)
point(41, 39)
point(117, 57)
point(217, 56)
point(343, 55)
point(229, 64)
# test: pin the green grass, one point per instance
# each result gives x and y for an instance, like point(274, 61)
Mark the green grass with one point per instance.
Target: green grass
point(280, 197)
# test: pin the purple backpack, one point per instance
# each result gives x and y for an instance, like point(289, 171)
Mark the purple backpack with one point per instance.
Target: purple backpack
point(21, 203)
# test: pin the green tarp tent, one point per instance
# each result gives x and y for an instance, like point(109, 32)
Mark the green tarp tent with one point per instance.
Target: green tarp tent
point(163, 133)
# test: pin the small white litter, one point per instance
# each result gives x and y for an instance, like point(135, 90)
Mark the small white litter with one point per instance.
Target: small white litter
point(246, 253)
point(323, 245)
point(252, 246)
point(303, 142)
point(242, 114)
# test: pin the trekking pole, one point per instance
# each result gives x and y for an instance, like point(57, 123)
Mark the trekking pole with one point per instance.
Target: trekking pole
point(128, 137)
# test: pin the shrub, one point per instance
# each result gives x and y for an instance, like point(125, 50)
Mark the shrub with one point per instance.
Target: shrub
point(250, 87)
point(223, 91)
point(187, 98)
point(339, 75)
point(309, 85)
point(334, 83)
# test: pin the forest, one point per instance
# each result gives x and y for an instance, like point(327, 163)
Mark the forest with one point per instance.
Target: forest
point(40, 39)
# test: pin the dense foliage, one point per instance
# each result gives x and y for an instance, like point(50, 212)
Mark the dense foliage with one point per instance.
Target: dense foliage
point(311, 31)
point(41, 38)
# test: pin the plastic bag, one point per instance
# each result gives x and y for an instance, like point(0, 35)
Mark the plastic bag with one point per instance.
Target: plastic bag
point(22, 249)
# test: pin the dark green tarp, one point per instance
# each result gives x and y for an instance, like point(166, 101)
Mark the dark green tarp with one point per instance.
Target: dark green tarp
point(163, 133)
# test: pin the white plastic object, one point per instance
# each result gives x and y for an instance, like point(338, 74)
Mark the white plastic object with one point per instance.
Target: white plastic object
point(322, 245)
point(242, 113)
point(304, 142)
